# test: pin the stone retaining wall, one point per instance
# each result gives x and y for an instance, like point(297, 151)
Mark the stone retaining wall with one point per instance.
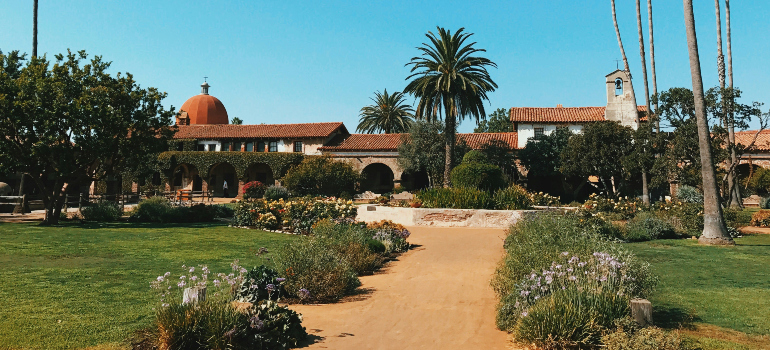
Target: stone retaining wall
point(441, 217)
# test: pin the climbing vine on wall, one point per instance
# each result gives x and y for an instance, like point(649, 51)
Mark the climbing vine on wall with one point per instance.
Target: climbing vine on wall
point(279, 162)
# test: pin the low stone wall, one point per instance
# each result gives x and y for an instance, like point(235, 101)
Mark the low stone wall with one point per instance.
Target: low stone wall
point(441, 217)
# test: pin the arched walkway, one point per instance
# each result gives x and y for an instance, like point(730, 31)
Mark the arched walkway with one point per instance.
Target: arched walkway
point(185, 176)
point(260, 172)
point(218, 175)
point(378, 178)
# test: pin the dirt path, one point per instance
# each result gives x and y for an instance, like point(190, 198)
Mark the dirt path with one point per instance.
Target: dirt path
point(437, 296)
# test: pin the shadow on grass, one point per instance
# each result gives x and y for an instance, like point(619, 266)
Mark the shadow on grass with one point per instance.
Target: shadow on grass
point(132, 225)
point(674, 318)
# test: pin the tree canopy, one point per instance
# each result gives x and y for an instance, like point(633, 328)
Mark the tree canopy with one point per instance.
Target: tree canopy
point(68, 123)
point(389, 114)
point(497, 121)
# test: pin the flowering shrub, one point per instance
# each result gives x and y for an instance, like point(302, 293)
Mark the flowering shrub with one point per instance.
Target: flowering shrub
point(544, 199)
point(625, 207)
point(261, 283)
point(761, 218)
point(687, 218)
point(253, 189)
point(513, 197)
point(393, 236)
point(297, 216)
point(170, 288)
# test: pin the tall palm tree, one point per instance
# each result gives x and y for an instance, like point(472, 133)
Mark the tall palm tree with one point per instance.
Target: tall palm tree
point(34, 29)
point(623, 53)
point(389, 114)
point(645, 186)
point(450, 83)
point(652, 64)
point(735, 193)
point(714, 230)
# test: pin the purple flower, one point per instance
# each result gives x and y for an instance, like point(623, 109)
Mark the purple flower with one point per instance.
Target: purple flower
point(160, 278)
point(216, 283)
point(524, 293)
point(303, 293)
point(192, 269)
point(279, 279)
point(181, 284)
point(270, 287)
point(256, 323)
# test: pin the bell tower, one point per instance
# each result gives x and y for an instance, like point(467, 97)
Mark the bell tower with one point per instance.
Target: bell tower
point(621, 103)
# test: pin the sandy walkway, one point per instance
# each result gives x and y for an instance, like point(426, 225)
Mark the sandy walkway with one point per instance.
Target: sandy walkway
point(437, 296)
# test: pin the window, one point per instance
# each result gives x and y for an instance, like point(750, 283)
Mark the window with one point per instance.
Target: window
point(538, 132)
point(201, 147)
point(249, 146)
point(260, 146)
point(225, 146)
point(297, 146)
point(211, 147)
point(273, 146)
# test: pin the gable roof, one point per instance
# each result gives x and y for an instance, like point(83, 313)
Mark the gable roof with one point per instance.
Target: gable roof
point(267, 131)
point(562, 114)
point(390, 142)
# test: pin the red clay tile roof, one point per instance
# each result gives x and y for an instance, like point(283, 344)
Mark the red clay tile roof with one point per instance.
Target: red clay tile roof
point(274, 131)
point(763, 140)
point(390, 142)
point(560, 114)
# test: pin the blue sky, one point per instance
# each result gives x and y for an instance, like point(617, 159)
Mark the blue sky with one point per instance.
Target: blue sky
point(310, 61)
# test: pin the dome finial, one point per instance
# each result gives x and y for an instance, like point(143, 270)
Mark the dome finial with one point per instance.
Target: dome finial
point(205, 87)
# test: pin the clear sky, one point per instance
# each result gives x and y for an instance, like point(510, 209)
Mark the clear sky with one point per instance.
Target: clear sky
point(311, 61)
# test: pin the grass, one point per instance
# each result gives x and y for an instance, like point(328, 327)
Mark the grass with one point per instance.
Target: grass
point(723, 292)
point(79, 286)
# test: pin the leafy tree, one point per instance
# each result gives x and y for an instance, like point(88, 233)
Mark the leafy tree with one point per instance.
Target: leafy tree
point(423, 150)
point(70, 124)
point(501, 154)
point(476, 172)
point(598, 151)
point(450, 83)
point(389, 114)
point(498, 121)
point(542, 158)
point(236, 121)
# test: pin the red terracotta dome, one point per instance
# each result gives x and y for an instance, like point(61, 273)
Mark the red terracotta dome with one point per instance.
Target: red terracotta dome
point(205, 109)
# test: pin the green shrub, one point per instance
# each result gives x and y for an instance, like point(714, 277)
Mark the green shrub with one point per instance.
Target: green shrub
point(474, 156)
point(153, 209)
point(478, 175)
point(321, 176)
point(102, 211)
point(764, 203)
point(310, 264)
point(253, 189)
point(689, 194)
point(391, 235)
point(630, 337)
point(217, 325)
point(512, 198)
point(646, 226)
point(456, 198)
point(275, 193)
point(687, 218)
point(737, 218)
point(571, 318)
point(261, 283)
point(223, 210)
point(376, 246)
point(351, 243)
point(296, 216)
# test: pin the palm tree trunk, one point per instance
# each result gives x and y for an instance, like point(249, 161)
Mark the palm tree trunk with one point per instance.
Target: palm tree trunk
point(645, 187)
point(449, 136)
point(623, 53)
point(714, 230)
point(736, 190)
point(34, 29)
point(652, 64)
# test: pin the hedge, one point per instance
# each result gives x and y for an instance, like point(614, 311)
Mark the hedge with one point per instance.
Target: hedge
point(203, 161)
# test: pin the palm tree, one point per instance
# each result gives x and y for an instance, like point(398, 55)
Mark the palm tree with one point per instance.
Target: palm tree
point(388, 114)
point(34, 29)
point(645, 186)
point(735, 193)
point(450, 83)
point(714, 230)
point(623, 53)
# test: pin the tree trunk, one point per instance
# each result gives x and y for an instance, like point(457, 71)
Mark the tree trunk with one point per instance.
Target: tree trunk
point(652, 65)
point(34, 29)
point(714, 230)
point(623, 53)
point(732, 201)
point(449, 136)
point(645, 187)
point(736, 190)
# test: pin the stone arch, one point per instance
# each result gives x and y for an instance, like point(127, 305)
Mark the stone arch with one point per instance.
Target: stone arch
point(260, 172)
point(218, 174)
point(377, 177)
point(185, 176)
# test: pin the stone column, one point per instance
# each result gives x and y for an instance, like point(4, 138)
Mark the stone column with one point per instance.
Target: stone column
point(241, 183)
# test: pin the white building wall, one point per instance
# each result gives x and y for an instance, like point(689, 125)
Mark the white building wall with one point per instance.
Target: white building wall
point(527, 131)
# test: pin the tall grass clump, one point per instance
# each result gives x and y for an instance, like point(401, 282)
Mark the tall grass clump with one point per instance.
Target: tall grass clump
point(565, 265)
point(456, 198)
point(102, 211)
point(513, 197)
point(351, 242)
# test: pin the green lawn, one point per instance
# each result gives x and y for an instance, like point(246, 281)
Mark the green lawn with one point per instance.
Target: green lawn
point(77, 286)
point(728, 287)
